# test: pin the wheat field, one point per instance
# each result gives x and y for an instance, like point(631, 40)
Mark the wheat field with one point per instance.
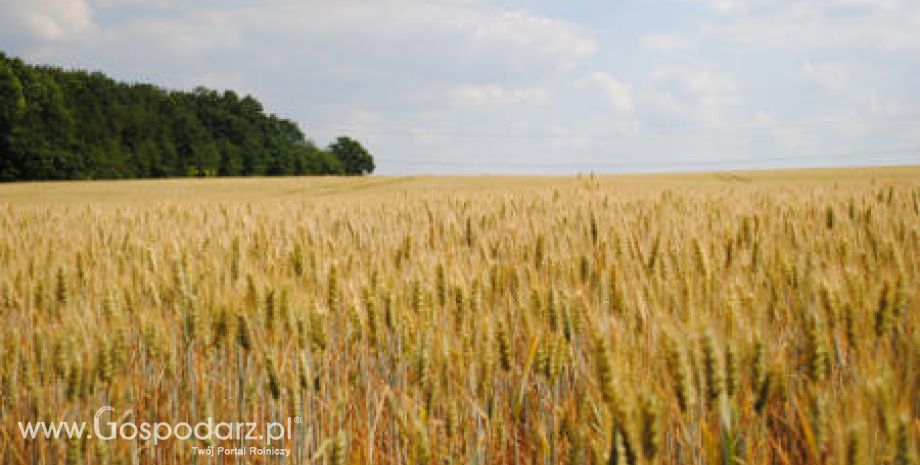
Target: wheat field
point(732, 318)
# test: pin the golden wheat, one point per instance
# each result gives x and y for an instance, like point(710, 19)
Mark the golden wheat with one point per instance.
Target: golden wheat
point(580, 321)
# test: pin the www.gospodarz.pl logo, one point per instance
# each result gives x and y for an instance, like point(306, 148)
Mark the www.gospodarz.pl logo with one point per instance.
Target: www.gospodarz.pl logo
point(156, 432)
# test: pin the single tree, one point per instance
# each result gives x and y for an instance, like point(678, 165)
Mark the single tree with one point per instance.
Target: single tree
point(354, 158)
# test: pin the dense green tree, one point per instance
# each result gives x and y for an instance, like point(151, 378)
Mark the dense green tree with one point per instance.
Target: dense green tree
point(12, 106)
point(61, 124)
point(11, 94)
point(354, 158)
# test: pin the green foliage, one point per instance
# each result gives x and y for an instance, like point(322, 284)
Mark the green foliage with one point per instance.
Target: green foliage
point(353, 156)
point(60, 124)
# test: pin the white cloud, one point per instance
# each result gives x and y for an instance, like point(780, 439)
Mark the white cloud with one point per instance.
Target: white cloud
point(492, 94)
point(878, 106)
point(788, 136)
point(618, 93)
point(833, 77)
point(706, 85)
point(112, 3)
point(46, 20)
point(519, 40)
point(666, 102)
point(668, 42)
point(449, 35)
point(709, 93)
point(762, 118)
point(544, 36)
point(874, 4)
point(727, 6)
point(196, 34)
point(889, 26)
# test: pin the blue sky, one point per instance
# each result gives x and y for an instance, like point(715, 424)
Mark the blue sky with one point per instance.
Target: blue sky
point(527, 86)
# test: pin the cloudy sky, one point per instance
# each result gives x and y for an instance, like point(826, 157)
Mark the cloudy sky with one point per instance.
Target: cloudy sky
point(527, 86)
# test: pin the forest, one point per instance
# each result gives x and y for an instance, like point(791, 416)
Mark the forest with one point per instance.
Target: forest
point(58, 124)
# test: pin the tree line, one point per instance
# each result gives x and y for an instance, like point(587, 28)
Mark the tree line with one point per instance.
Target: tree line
point(72, 124)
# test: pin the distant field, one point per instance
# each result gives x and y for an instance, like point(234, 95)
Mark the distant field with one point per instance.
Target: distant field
point(734, 318)
point(297, 188)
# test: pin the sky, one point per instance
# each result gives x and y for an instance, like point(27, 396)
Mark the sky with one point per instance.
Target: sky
point(527, 86)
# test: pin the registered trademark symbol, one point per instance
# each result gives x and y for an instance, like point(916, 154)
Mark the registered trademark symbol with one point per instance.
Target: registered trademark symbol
point(298, 420)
